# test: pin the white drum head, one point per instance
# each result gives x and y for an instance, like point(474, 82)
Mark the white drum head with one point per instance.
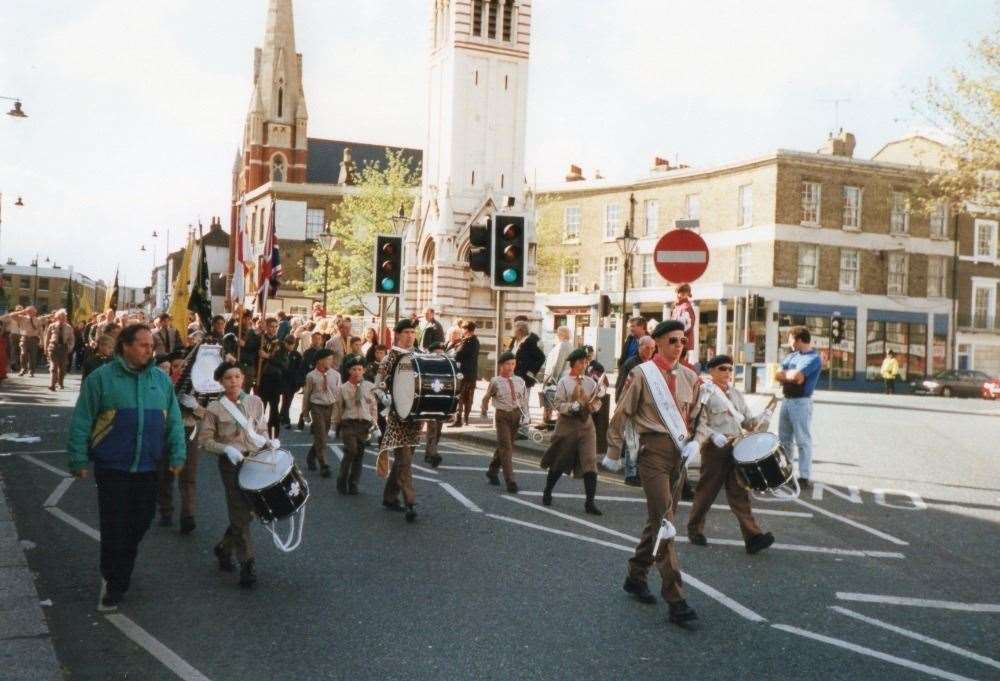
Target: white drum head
point(264, 469)
point(404, 387)
point(755, 447)
point(207, 360)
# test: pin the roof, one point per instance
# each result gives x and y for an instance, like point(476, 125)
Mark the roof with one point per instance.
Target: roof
point(215, 236)
point(325, 157)
point(49, 272)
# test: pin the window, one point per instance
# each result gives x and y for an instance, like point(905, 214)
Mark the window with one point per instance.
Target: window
point(477, 18)
point(808, 265)
point(692, 206)
point(899, 265)
point(743, 264)
point(281, 101)
point(494, 9)
point(571, 277)
point(745, 218)
point(571, 222)
point(939, 221)
point(309, 265)
point(647, 271)
point(612, 217)
point(609, 275)
point(899, 222)
point(278, 169)
point(315, 222)
point(852, 207)
point(43, 284)
point(983, 303)
point(937, 270)
point(652, 213)
point(810, 203)
point(508, 20)
point(848, 270)
point(986, 240)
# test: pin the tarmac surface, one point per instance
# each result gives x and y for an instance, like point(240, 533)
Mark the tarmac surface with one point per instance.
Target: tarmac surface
point(886, 568)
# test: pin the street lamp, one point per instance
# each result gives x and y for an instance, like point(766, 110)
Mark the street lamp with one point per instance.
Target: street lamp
point(627, 245)
point(327, 242)
point(16, 111)
point(401, 222)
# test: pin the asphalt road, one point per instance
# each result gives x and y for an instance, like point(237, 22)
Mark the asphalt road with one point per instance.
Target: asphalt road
point(490, 586)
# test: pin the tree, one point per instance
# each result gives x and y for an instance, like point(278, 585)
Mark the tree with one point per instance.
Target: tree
point(968, 108)
point(551, 255)
point(357, 220)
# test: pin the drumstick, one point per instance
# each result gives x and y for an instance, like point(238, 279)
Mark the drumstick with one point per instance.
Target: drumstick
point(272, 464)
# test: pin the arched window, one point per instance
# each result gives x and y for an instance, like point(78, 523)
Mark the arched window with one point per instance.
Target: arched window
point(278, 169)
point(508, 20)
point(477, 18)
point(281, 102)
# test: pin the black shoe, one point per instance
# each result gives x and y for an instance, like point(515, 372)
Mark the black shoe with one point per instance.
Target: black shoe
point(633, 481)
point(226, 563)
point(352, 488)
point(697, 538)
point(511, 487)
point(493, 478)
point(248, 574)
point(435, 461)
point(804, 483)
point(681, 612)
point(393, 506)
point(166, 521)
point(759, 542)
point(187, 524)
point(591, 508)
point(640, 590)
point(411, 513)
point(456, 424)
point(547, 498)
point(112, 598)
point(325, 472)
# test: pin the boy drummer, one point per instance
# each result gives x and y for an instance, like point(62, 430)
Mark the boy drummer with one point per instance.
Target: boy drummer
point(510, 399)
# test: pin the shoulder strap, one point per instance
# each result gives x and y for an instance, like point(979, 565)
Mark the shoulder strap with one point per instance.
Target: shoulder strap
point(736, 413)
point(665, 403)
point(256, 438)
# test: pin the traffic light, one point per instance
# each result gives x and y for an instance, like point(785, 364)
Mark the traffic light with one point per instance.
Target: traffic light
point(836, 330)
point(479, 248)
point(388, 265)
point(509, 252)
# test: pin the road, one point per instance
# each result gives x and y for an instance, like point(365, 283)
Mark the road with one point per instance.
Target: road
point(887, 568)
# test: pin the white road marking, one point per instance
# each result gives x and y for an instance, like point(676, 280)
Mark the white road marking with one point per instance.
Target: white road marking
point(694, 582)
point(861, 650)
point(919, 602)
point(918, 637)
point(58, 492)
point(38, 462)
point(338, 451)
point(425, 470)
point(154, 647)
point(73, 522)
point(36, 451)
point(415, 477)
point(566, 516)
point(852, 523)
point(916, 501)
point(483, 469)
point(465, 501)
point(716, 507)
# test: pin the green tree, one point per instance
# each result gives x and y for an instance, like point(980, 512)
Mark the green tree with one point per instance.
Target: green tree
point(381, 189)
point(968, 108)
point(551, 255)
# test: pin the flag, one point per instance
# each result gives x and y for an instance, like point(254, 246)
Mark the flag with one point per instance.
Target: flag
point(243, 259)
point(69, 297)
point(201, 296)
point(182, 293)
point(269, 270)
point(84, 310)
point(111, 297)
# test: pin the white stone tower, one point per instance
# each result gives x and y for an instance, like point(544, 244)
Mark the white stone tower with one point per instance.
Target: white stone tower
point(474, 155)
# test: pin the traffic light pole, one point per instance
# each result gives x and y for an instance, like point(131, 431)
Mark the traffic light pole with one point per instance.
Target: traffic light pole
point(499, 329)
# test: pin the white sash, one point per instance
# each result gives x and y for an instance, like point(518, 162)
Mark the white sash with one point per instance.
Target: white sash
point(712, 388)
point(255, 438)
point(665, 404)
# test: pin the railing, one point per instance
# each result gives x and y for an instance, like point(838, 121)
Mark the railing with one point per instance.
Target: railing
point(978, 322)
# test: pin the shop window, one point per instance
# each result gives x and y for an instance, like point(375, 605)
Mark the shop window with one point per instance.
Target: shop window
point(839, 357)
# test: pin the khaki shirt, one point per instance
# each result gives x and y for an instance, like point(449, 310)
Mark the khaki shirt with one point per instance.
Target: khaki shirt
point(503, 399)
point(338, 345)
point(219, 428)
point(351, 405)
point(32, 327)
point(59, 331)
point(566, 395)
point(713, 416)
point(321, 389)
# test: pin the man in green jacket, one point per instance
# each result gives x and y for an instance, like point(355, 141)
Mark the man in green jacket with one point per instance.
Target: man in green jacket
point(126, 419)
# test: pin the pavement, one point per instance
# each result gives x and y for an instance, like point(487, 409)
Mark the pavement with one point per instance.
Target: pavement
point(887, 568)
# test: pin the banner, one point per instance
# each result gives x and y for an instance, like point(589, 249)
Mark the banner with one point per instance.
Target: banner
point(179, 304)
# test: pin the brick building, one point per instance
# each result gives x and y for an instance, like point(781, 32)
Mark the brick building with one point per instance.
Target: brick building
point(45, 287)
point(794, 237)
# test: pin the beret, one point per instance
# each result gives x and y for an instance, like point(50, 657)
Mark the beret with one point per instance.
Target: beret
point(404, 325)
point(353, 361)
point(438, 345)
point(719, 360)
point(507, 357)
point(577, 354)
point(666, 326)
point(323, 354)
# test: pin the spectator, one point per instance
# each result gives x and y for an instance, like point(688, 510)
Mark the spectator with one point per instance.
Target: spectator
point(284, 325)
point(890, 372)
point(369, 344)
point(636, 330)
point(555, 368)
point(432, 331)
point(798, 377)
point(467, 358)
point(293, 380)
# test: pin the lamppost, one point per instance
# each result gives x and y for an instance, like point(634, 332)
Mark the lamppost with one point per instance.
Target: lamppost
point(327, 242)
point(401, 223)
point(627, 245)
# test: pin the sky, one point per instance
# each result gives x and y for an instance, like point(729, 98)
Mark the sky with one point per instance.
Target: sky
point(136, 109)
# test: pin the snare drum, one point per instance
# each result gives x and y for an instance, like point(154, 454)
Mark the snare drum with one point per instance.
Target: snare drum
point(761, 462)
point(425, 387)
point(273, 484)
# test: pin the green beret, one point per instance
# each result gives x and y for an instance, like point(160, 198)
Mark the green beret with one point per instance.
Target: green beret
point(353, 361)
point(507, 357)
point(437, 345)
point(404, 325)
point(577, 354)
point(666, 326)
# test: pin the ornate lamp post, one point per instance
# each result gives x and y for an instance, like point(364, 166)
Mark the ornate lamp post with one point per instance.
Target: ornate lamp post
point(627, 245)
point(327, 242)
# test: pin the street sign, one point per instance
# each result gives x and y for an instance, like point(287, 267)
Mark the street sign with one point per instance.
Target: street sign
point(687, 224)
point(680, 256)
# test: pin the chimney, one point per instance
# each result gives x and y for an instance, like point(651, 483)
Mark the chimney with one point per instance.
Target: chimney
point(660, 164)
point(841, 145)
point(575, 174)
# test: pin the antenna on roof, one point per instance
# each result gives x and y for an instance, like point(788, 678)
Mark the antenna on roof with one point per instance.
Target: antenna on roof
point(836, 109)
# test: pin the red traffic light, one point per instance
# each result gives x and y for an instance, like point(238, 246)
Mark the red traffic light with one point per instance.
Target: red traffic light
point(510, 231)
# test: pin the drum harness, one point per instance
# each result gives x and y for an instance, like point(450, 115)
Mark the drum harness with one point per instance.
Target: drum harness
point(295, 529)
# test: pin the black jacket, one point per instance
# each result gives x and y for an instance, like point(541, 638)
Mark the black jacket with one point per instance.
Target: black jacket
point(434, 333)
point(467, 357)
point(530, 358)
point(623, 371)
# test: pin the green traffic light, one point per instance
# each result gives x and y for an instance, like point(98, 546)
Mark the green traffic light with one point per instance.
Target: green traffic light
point(510, 276)
point(388, 284)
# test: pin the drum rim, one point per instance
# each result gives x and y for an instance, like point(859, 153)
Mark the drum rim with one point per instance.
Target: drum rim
point(755, 436)
point(278, 481)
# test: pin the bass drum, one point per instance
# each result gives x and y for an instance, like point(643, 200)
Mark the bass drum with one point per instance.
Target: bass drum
point(273, 484)
point(425, 387)
point(761, 462)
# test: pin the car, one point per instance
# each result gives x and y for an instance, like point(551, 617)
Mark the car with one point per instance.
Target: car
point(952, 383)
point(991, 389)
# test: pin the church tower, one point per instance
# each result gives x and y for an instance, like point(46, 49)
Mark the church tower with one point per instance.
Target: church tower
point(473, 163)
point(274, 137)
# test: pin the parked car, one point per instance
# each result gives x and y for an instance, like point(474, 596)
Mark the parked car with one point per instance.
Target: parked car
point(991, 389)
point(953, 383)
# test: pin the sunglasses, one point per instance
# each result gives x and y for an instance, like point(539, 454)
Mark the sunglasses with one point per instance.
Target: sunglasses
point(674, 341)
point(725, 368)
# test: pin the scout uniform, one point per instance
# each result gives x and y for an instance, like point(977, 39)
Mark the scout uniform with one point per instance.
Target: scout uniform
point(574, 443)
point(219, 430)
point(510, 402)
point(354, 414)
point(318, 396)
point(59, 340)
point(717, 423)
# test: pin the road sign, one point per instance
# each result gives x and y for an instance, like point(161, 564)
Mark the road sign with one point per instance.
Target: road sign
point(680, 256)
point(693, 223)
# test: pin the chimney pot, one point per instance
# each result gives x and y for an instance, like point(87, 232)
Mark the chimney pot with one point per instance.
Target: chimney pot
point(575, 174)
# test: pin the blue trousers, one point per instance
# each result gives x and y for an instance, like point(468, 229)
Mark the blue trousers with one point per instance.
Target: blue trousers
point(793, 428)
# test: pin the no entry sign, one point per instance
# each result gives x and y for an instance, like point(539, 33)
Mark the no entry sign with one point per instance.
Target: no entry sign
point(681, 256)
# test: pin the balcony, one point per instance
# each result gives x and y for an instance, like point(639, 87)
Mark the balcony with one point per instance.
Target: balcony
point(977, 322)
